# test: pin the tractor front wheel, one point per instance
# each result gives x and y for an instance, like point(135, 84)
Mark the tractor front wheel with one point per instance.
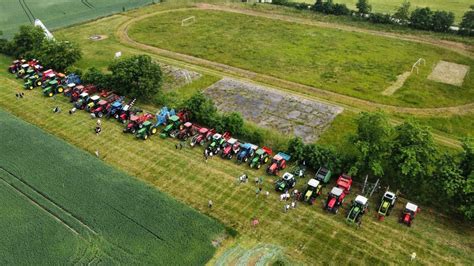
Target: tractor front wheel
point(266, 160)
point(145, 137)
point(100, 114)
point(258, 166)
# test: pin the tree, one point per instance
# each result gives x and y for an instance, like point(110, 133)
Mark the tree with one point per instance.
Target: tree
point(467, 23)
point(233, 122)
point(322, 156)
point(412, 156)
point(341, 10)
point(363, 6)
point(318, 6)
point(26, 42)
point(202, 109)
point(58, 55)
point(422, 18)
point(442, 20)
point(403, 12)
point(94, 76)
point(467, 157)
point(136, 76)
point(296, 149)
point(372, 142)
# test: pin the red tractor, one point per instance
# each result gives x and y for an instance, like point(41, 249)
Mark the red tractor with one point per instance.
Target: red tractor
point(408, 215)
point(16, 65)
point(278, 163)
point(136, 122)
point(185, 131)
point(335, 200)
point(101, 108)
point(344, 182)
point(202, 136)
point(231, 148)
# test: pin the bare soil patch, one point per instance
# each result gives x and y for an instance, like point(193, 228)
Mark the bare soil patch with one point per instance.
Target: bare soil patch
point(397, 84)
point(287, 113)
point(449, 73)
point(178, 76)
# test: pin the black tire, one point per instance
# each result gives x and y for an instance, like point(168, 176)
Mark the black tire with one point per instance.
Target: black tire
point(100, 115)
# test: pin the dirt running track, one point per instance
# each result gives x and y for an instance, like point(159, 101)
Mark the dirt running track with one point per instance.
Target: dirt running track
point(348, 102)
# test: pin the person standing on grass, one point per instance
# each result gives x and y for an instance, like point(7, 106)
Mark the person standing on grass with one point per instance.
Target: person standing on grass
point(209, 204)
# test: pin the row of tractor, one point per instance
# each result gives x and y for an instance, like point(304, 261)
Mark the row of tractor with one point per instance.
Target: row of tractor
point(177, 125)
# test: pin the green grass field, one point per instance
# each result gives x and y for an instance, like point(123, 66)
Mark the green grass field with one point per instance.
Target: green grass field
point(306, 234)
point(68, 207)
point(58, 13)
point(458, 7)
point(354, 64)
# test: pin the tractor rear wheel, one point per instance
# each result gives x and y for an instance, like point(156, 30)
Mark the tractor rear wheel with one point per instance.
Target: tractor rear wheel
point(145, 137)
point(60, 89)
point(153, 131)
point(258, 166)
point(38, 83)
point(266, 160)
point(50, 94)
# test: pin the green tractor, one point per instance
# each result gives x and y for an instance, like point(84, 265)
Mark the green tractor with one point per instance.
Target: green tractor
point(387, 204)
point(53, 87)
point(171, 127)
point(359, 207)
point(33, 82)
point(148, 129)
point(261, 157)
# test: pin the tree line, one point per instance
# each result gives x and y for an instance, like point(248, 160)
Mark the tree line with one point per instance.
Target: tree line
point(420, 18)
point(403, 156)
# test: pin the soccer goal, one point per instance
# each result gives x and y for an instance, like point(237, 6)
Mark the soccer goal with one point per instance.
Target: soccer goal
point(188, 21)
point(417, 64)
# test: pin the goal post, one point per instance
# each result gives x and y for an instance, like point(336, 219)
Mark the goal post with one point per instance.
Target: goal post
point(188, 21)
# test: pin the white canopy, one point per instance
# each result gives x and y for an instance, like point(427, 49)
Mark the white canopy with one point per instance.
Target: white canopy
point(313, 183)
point(217, 136)
point(411, 207)
point(95, 97)
point(336, 191)
point(287, 176)
point(84, 94)
point(361, 199)
point(232, 141)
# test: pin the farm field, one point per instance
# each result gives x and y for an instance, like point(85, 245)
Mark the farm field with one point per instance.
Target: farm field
point(87, 211)
point(58, 13)
point(306, 234)
point(458, 7)
point(350, 63)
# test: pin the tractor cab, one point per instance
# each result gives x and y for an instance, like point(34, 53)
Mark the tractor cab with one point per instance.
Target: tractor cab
point(286, 182)
point(247, 150)
point(14, 67)
point(386, 205)
point(409, 213)
point(147, 129)
point(82, 100)
point(335, 200)
point(262, 156)
point(29, 73)
point(323, 174)
point(132, 125)
point(231, 147)
point(171, 127)
point(101, 108)
point(313, 190)
point(185, 131)
point(278, 163)
point(214, 147)
point(92, 103)
point(344, 182)
point(53, 87)
point(69, 89)
point(115, 108)
point(22, 71)
point(200, 138)
point(299, 171)
point(359, 207)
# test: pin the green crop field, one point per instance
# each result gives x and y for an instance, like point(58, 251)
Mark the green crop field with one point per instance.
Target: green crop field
point(58, 13)
point(62, 205)
point(305, 234)
point(354, 64)
point(458, 7)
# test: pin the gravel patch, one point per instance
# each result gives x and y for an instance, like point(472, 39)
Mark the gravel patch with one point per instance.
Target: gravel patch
point(449, 73)
point(269, 108)
point(178, 77)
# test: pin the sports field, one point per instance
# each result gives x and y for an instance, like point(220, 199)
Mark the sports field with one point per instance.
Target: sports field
point(61, 205)
point(306, 234)
point(355, 64)
point(58, 13)
point(458, 7)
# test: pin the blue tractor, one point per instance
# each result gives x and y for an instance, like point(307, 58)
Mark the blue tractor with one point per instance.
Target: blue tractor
point(247, 151)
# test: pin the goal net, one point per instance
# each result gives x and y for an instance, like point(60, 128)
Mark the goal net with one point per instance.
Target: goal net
point(188, 21)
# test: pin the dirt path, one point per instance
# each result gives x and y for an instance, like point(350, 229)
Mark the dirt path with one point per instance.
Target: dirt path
point(449, 45)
